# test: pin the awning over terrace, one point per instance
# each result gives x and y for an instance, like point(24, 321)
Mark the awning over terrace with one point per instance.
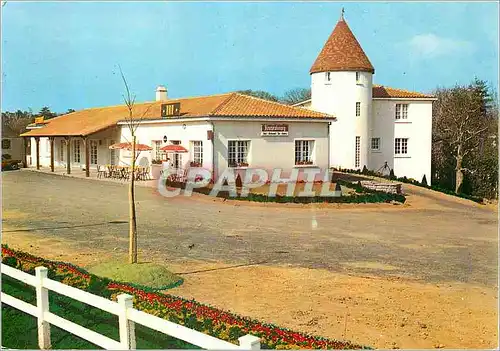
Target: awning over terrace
point(178, 149)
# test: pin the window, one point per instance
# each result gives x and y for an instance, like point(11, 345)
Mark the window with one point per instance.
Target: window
point(157, 153)
point(401, 111)
point(357, 77)
point(401, 146)
point(112, 154)
point(358, 109)
point(61, 150)
point(197, 153)
point(328, 76)
point(238, 153)
point(5, 144)
point(375, 144)
point(303, 152)
point(357, 152)
point(76, 151)
point(93, 152)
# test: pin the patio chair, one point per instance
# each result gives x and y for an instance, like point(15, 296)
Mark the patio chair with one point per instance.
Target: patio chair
point(101, 171)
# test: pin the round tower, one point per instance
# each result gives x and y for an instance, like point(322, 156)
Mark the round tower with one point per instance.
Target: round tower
point(341, 85)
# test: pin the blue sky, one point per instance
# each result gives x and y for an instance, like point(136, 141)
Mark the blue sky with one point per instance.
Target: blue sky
point(65, 55)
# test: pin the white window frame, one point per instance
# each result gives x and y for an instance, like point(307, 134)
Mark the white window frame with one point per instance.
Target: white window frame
point(401, 146)
point(197, 151)
point(401, 112)
point(62, 144)
point(156, 145)
point(238, 153)
point(377, 148)
point(93, 153)
point(357, 152)
point(304, 152)
point(112, 154)
point(358, 108)
point(77, 154)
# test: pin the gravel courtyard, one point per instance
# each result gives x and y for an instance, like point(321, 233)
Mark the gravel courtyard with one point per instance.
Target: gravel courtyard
point(434, 241)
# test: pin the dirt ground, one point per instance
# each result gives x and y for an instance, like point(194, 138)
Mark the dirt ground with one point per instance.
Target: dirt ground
point(430, 281)
point(379, 312)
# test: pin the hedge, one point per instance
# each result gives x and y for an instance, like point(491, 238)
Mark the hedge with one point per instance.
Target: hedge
point(411, 181)
point(362, 195)
point(204, 318)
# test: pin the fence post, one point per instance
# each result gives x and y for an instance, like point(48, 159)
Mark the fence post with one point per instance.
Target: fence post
point(127, 328)
point(249, 342)
point(42, 304)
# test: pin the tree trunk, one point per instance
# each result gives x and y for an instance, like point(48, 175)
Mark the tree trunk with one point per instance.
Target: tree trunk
point(459, 176)
point(132, 219)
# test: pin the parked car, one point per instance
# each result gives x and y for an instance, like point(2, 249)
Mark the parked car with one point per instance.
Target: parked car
point(9, 163)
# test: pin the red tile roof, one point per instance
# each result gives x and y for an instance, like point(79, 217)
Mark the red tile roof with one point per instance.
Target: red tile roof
point(381, 92)
point(89, 121)
point(342, 52)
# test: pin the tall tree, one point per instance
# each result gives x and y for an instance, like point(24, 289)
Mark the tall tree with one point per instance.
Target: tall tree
point(46, 113)
point(259, 94)
point(459, 125)
point(297, 95)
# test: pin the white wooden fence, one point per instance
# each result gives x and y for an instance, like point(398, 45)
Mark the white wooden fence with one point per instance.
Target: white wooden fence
point(127, 317)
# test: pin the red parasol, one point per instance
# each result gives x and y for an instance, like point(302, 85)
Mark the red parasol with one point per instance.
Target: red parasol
point(128, 146)
point(174, 148)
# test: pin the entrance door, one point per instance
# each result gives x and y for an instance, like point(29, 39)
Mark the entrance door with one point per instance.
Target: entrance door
point(177, 158)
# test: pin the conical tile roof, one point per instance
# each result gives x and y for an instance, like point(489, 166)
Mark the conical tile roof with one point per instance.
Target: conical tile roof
point(342, 52)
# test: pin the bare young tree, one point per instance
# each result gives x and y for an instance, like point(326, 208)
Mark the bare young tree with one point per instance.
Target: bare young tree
point(132, 122)
point(297, 95)
point(460, 124)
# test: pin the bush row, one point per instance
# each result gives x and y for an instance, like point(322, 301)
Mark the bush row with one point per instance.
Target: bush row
point(204, 318)
point(422, 184)
point(362, 195)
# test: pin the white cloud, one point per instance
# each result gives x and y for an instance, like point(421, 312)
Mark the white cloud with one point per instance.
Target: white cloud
point(430, 46)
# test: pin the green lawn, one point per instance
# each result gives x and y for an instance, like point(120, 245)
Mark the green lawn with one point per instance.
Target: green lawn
point(19, 330)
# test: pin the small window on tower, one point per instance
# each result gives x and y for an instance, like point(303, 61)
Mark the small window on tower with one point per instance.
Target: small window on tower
point(358, 77)
point(327, 76)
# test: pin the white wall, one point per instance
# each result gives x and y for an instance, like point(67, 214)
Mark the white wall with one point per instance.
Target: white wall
point(271, 152)
point(417, 128)
point(193, 131)
point(339, 97)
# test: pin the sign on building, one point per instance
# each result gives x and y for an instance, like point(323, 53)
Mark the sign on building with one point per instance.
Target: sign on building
point(274, 130)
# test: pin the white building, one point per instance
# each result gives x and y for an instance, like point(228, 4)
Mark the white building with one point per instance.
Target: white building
point(348, 123)
point(218, 131)
point(375, 125)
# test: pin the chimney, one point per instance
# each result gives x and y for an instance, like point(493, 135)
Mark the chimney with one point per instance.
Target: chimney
point(161, 93)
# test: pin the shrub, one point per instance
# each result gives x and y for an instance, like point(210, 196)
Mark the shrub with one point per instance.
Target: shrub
point(391, 175)
point(424, 181)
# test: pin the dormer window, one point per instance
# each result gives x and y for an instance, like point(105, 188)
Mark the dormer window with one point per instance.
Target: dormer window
point(328, 77)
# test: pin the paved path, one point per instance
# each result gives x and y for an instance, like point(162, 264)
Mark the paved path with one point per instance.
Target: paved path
point(450, 241)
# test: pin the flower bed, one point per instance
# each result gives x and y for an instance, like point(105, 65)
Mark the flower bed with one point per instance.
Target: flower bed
point(362, 195)
point(204, 318)
point(411, 181)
